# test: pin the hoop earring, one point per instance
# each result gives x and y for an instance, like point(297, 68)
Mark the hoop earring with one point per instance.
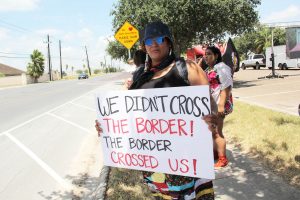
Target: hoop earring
point(146, 63)
point(170, 52)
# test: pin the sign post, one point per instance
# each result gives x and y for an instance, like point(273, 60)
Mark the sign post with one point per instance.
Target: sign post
point(127, 35)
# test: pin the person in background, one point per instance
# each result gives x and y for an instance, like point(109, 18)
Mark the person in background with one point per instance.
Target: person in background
point(161, 71)
point(201, 62)
point(220, 80)
point(139, 58)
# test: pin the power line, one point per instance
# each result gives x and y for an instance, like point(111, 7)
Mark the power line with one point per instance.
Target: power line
point(13, 57)
point(20, 29)
point(55, 57)
point(282, 24)
point(11, 53)
point(28, 54)
point(15, 26)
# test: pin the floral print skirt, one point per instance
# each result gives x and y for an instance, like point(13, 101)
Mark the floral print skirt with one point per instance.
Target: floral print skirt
point(173, 187)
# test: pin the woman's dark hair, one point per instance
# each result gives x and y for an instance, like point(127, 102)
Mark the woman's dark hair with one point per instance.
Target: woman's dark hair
point(139, 57)
point(216, 51)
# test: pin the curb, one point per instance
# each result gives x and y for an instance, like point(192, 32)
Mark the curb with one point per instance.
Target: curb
point(100, 192)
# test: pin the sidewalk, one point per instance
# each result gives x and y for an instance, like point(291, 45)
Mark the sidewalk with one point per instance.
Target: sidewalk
point(246, 179)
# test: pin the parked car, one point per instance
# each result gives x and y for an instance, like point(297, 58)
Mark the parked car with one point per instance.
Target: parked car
point(83, 76)
point(256, 61)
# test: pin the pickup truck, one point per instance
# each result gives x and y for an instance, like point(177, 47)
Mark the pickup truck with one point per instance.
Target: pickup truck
point(256, 61)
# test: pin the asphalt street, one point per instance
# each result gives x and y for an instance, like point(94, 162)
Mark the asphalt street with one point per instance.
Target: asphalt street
point(48, 144)
point(280, 94)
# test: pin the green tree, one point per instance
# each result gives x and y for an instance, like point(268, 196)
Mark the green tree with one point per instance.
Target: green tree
point(97, 71)
point(36, 67)
point(190, 21)
point(279, 36)
point(79, 71)
point(258, 40)
point(117, 51)
point(244, 44)
point(262, 40)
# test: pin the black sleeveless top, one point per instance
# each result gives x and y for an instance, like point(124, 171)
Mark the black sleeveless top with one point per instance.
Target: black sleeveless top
point(181, 183)
point(171, 79)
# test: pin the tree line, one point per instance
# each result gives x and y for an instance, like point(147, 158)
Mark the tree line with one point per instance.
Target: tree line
point(190, 21)
point(258, 39)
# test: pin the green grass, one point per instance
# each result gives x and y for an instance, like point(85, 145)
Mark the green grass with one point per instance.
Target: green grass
point(272, 137)
point(127, 184)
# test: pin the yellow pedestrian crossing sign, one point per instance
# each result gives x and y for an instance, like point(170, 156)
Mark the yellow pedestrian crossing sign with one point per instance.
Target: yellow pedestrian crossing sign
point(127, 35)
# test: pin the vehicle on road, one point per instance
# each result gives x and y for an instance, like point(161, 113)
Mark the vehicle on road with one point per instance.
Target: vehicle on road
point(281, 61)
point(255, 60)
point(83, 76)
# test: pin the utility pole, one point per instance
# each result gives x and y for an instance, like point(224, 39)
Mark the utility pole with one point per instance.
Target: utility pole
point(87, 60)
point(129, 54)
point(61, 73)
point(49, 58)
point(272, 53)
point(111, 63)
point(105, 64)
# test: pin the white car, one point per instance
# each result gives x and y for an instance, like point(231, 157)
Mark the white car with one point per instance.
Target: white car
point(256, 61)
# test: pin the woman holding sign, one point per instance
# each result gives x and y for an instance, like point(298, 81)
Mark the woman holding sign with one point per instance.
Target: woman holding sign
point(163, 69)
point(220, 80)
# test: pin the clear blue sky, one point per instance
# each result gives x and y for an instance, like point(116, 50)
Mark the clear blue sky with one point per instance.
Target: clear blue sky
point(24, 25)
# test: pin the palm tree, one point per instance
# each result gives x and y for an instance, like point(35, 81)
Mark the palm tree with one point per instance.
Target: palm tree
point(263, 39)
point(36, 67)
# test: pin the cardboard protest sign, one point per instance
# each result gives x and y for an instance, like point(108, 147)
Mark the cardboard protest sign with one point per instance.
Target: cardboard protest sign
point(158, 130)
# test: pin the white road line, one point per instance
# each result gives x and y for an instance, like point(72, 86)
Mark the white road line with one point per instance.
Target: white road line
point(276, 93)
point(32, 155)
point(292, 108)
point(36, 117)
point(266, 85)
point(40, 162)
point(32, 119)
point(69, 122)
point(82, 106)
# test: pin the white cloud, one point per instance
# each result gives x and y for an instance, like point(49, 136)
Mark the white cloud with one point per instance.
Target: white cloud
point(73, 51)
point(3, 33)
point(69, 36)
point(50, 31)
point(291, 13)
point(86, 35)
point(18, 5)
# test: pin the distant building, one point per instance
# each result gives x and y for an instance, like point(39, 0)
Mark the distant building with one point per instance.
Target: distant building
point(10, 71)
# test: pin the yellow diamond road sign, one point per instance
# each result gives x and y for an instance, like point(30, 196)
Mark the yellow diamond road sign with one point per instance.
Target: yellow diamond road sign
point(127, 35)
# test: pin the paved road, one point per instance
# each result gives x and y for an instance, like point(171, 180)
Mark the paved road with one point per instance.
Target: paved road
point(281, 94)
point(22, 103)
point(48, 144)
